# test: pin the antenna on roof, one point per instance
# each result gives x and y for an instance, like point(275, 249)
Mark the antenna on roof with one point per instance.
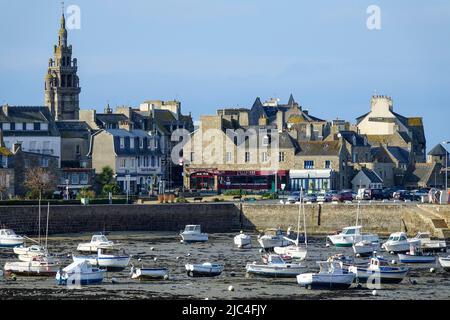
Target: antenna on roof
point(62, 7)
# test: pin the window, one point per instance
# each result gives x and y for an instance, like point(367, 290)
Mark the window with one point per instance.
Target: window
point(141, 143)
point(78, 151)
point(266, 141)
point(75, 179)
point(6, 126)
point(13, 126)
point(122, 143)
point(281, 156)
point(327, 164)
point(44, 126)
point(247, 157)
point(131, 143)
point(133, 162)
point(229, 157)
point(153, 162)
point(44, 162)
point(123, 163)
point(37, 126)
point(264, 157)
point(309, 164)
point(84, 178)
point(192, 156)
point(30, 126)
point(4, 161)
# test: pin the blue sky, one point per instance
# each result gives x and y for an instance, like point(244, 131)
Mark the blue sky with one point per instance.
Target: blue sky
point(225, 53)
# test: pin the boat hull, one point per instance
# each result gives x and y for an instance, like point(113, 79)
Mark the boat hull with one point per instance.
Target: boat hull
point(366, 249)
point(243, 241)
point(80, 278)
point(28, 269)
point(150, 274)
point(111, 264)
point(271, 243)
point(340, 240)
point(196, 271)
point(406, 258)
point(399, 247)
point(193, 238)
point(274, 271)
point(10, 243)
point(445, 263)
point(326, 281)
point(294, 252)
point(388, 277)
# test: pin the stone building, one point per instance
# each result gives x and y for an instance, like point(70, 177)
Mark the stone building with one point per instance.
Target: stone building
point(6, 171)
point(384, 126)
point(223, 155)
point(367, 179)
point(33, 128)
point(24, 161)
point(62, 87)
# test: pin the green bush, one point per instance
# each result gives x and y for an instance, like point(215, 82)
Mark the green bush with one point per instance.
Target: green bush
point(182, 200)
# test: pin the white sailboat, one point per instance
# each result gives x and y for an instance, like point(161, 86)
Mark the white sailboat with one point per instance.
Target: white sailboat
point(351, 235)
point(296, 251)
point(243, 241)
point(364, 247)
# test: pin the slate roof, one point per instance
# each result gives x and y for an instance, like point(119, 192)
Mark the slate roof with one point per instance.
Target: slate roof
point(354, 138)
point(127, 151)
point(372, 176)
point(400, 154)
point(111, 117)
point(72, 125)
point(421, 174)
point(319, 148)
point(28, 114)
point(438, 150)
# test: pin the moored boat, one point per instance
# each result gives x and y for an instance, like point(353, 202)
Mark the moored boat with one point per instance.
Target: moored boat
point(416, 255)
point(204, 270)
point(243, 241)
point(273, 238)
point(97, 241)
point(9, 239)
point(149, 273)
point(427, 244)
point(110, 259)
point(365, 248)
point(379, 271)
point(351, 235)
point(445, 263)
point(332, 275)
point(80, 273)
point(275, 268)
point(293, 251)
point(38, 267)
point(193, 233)
point(399, 242)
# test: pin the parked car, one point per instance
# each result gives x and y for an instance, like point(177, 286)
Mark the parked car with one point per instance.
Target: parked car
point(404, 195)
point(343, 196)
point(324, 197)
point(311, 197)
point(294, 197)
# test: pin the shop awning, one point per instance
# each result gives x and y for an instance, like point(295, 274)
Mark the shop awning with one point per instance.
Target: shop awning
point(310, 174)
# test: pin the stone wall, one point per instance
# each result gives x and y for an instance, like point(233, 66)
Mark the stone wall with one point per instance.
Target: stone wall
point(221, 217)
point(97, 218)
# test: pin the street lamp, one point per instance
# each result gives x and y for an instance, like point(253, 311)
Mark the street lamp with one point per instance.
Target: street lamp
point(446, 165)
point(67, 189)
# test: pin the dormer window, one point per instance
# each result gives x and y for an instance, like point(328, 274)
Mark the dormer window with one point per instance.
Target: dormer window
point(122, 143)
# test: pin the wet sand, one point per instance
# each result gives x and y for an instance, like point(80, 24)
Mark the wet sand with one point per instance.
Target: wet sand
point(218, 249)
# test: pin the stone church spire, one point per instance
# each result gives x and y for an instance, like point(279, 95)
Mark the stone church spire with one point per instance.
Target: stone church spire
point(62, 88)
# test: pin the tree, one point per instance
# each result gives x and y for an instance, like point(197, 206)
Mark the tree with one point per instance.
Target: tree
point(39, 181)
point(106, 176)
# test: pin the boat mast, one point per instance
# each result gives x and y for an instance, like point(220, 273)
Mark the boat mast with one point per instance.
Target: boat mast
point(304, 223)
point(39, 222)
point(46, 233)
point(298, 220)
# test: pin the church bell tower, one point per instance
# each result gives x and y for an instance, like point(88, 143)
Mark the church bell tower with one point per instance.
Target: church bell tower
point(62, 88)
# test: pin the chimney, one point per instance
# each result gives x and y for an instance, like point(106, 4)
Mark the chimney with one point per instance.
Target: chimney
point(17, 147)
point(2, 143)
point(280, 121)
point(5, 109)
point(243, 119)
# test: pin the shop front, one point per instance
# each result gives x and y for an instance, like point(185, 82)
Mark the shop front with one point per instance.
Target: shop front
point(252, 180)
point(311, 180)
point(202, 180)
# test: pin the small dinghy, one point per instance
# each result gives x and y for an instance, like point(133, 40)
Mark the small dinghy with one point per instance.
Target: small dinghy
point(149, 273)
point(204, 270)
point(365, 248)
point(80, 273)
point(416, 255)
point(37, 267)
point(350, 236)
point(97, 241)
point(332, 275)
point(275, 268)
point(243, 241)
point(9, 239)
point(445, 263)
point(380, 271)
point(193, 233)
point(112, 259)
point(273, 238)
